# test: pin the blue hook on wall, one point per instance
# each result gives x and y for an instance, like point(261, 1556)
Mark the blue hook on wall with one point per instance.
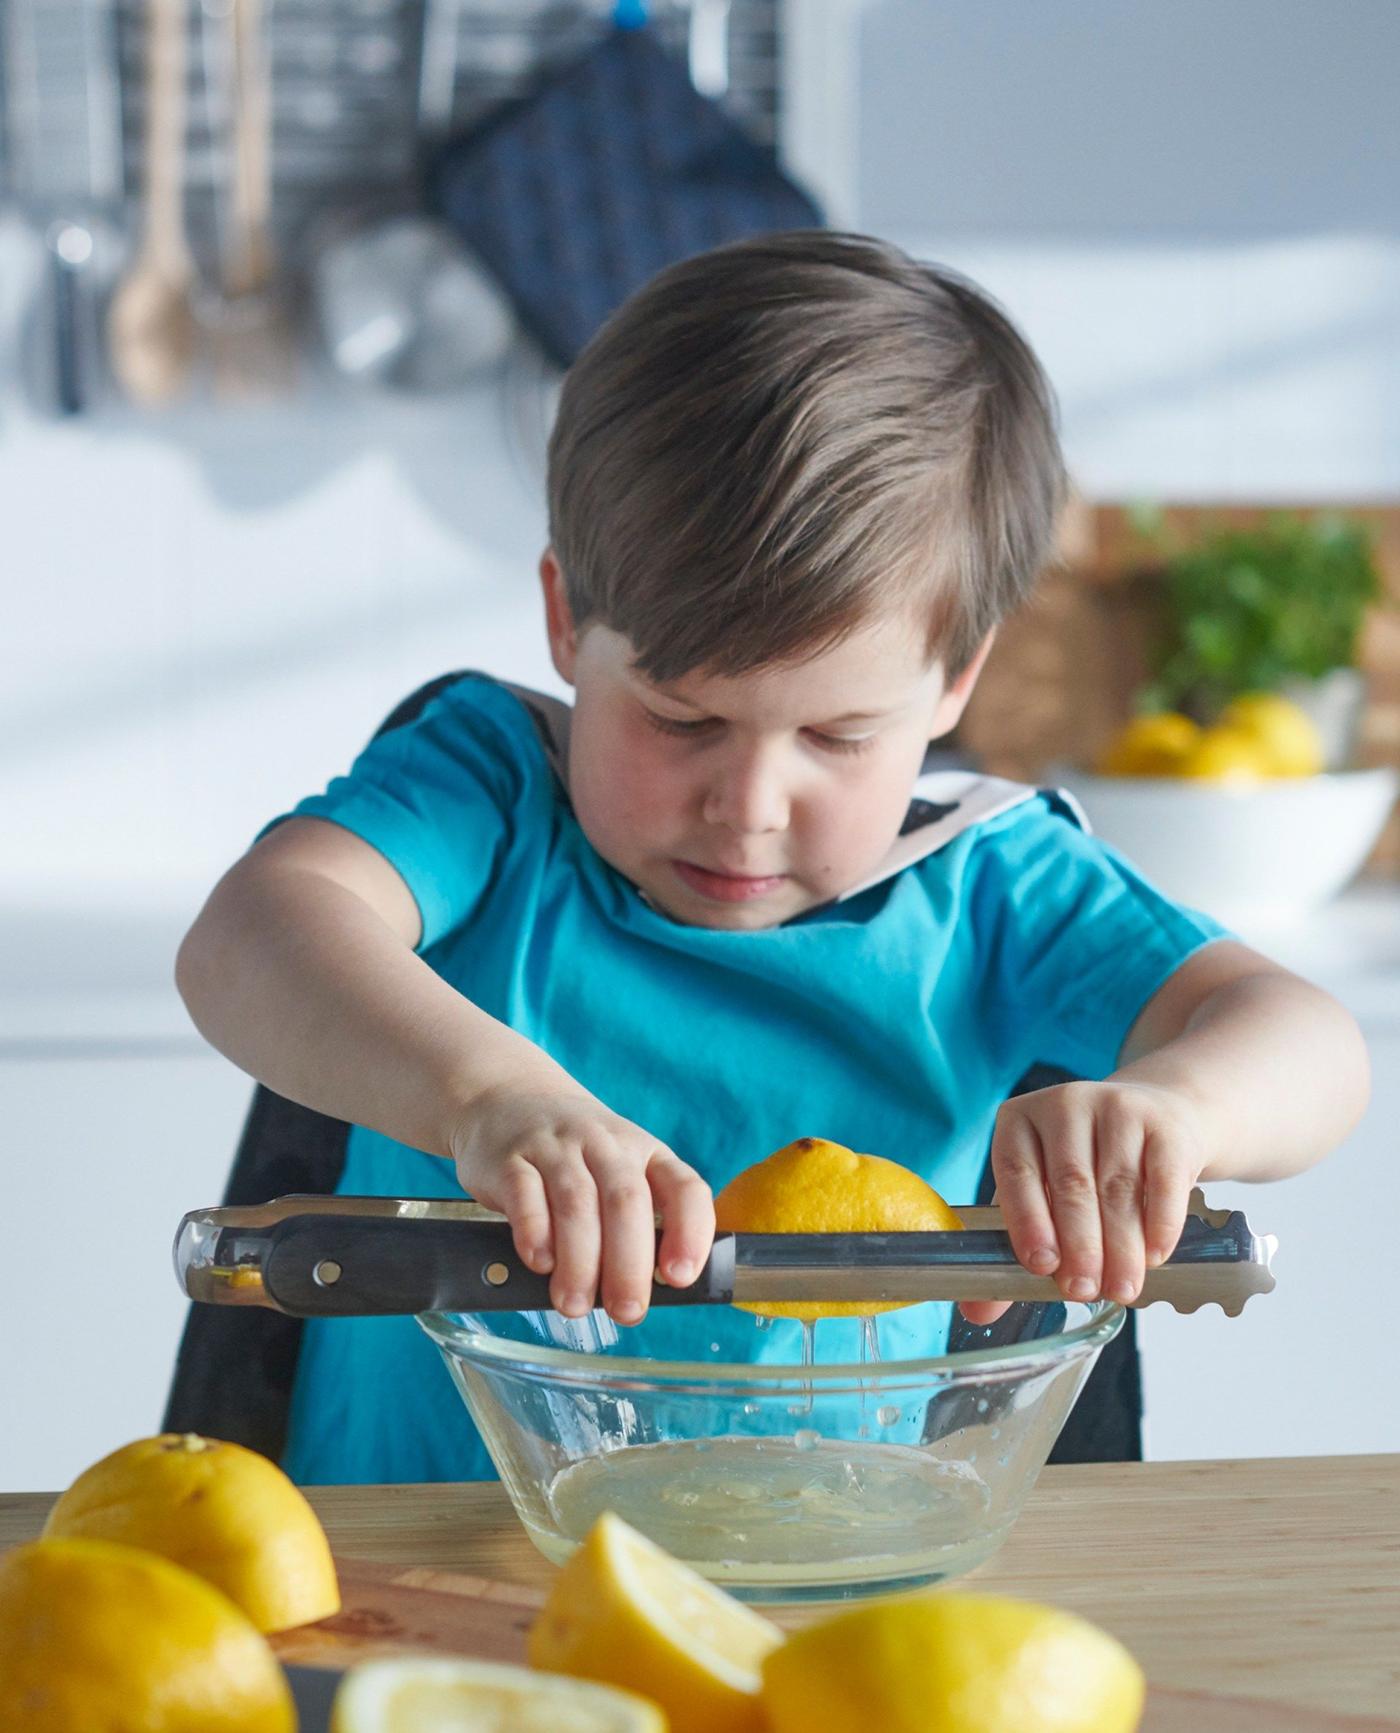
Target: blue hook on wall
point(630, 14)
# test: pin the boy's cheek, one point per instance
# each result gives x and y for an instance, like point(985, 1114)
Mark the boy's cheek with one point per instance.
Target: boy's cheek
point(625, 789)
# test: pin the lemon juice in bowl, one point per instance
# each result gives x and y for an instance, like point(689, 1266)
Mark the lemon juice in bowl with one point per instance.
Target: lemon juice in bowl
point(801, 1511)
point(782, 1479)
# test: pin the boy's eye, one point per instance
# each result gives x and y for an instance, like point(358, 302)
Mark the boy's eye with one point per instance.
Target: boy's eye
point(673, 725)
point(841, 742)
point(704, 725)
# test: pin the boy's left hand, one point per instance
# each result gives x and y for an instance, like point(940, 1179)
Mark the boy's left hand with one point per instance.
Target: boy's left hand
point(1093, 1180)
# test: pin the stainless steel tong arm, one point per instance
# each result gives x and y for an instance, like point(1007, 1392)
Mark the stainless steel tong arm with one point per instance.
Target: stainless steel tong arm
point(345, 1256)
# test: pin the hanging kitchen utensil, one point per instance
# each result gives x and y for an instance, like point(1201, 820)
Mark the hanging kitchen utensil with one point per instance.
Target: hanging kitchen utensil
point(368, 1256)
point(609, 169)
point(399, 300)
point(151, 327)
point(61, 97)
point(400, 304)
point(252, 336)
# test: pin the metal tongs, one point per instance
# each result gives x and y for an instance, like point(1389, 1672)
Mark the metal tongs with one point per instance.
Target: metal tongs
point(316, 1257)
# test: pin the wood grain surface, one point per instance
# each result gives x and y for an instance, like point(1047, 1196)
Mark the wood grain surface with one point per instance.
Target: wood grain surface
point(392, 1610)
point(1275, 1580)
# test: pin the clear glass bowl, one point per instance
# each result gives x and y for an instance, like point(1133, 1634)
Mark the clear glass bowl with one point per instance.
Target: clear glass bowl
point(783, 1482)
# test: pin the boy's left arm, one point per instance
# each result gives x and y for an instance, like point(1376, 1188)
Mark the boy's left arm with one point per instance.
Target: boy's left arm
point(1235, 1069)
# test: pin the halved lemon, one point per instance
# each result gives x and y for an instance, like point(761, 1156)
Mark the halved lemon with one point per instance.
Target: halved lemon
point(222, 1511)
point(960, 1663)
point(623, 1611)
point(815, 1186)
point(417, 1695)
point(99, 1636)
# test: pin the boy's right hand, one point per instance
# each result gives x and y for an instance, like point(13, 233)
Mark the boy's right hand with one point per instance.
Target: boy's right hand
point(580, 1186)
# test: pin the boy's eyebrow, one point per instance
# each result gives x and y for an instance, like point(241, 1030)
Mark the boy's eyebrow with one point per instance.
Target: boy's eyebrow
point(828, 722)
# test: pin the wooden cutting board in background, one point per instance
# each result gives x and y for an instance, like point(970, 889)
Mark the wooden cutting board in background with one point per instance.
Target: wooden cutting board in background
point(392, 1609)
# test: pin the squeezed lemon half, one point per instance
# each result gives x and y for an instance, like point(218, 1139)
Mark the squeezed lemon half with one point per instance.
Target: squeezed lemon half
point(817, 1187)
point(624, 1612)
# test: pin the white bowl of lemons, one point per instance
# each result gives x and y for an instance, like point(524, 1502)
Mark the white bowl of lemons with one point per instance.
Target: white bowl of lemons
point(1238, 819)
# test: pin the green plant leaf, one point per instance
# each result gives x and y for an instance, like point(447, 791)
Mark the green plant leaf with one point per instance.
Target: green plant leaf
point(1245, 610)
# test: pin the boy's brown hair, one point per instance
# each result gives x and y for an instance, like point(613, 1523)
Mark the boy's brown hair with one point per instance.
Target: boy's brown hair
point(772, 443)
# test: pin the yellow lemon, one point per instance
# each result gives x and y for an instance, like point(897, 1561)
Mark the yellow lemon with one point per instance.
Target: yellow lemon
point(417, 1695)
point(816, 1187)
point(626, 1613)
point(1226, 755)
point(1150, 746)
point(1288, 735)
point(94, 1635)
point(224, 1512)
point(960, 1663)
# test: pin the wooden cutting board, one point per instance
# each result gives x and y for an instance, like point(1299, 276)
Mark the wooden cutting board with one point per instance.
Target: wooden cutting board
point(398, 1609)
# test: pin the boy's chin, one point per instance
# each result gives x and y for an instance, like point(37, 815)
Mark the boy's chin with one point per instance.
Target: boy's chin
point(691, 909)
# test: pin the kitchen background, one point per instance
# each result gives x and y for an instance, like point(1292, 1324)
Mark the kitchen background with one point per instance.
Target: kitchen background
point(1193, 212)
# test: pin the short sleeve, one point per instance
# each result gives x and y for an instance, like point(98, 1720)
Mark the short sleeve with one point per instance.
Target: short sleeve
point(1072, 940)
point(440, 797)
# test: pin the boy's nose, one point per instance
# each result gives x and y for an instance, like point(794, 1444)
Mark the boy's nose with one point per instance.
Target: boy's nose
point(747, 795)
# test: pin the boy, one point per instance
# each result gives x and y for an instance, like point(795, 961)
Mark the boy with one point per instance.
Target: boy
point(590, 964)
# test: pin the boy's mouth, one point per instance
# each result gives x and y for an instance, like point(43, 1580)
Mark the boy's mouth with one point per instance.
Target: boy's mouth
point(725, 887)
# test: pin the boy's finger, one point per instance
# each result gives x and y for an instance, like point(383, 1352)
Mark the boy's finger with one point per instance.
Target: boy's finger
point(983, 1312)
point(629, 1238)
point(1074, 1202)
point(523, 1202)
point(573, 1207)
point(1119, 1170)
point(1020, 1177)
point(687, 1209)
point(1167, 1186)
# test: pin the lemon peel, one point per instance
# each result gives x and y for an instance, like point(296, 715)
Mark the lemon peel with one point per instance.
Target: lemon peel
point(814, 1186)
point(222, 1511)
point(95, 1634)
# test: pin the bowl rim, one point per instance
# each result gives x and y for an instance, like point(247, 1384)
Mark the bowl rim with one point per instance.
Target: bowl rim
point(567, 1365)
point(1069, 776)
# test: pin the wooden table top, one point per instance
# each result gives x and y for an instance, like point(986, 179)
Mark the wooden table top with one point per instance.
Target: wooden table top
point(1276, 1579)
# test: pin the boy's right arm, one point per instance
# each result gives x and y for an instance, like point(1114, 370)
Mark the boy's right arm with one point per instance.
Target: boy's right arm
point(301, 968)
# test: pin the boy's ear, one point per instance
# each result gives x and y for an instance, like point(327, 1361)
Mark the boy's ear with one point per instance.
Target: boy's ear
point(954, 700)
point(558, 617)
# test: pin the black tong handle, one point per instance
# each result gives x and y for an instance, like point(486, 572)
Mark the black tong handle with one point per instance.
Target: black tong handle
point(338, 1266)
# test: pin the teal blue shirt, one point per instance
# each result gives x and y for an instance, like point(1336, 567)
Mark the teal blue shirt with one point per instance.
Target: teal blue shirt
point(895, 1021)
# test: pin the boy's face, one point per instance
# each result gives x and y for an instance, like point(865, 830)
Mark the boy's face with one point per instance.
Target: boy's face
point(740, 801)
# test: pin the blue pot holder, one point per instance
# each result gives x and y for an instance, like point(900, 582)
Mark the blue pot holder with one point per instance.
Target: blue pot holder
point(576, 193)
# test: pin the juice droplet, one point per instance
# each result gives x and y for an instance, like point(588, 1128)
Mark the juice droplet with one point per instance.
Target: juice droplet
point(887, 1415)
point(806, 1438)
point(809, 1354)
point(751, 1408)
point(763, 1323)
point(981, 1404)
point(869, 1339)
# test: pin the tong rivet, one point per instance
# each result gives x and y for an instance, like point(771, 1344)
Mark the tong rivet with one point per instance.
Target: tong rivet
point(497, 1274)
point(327, 1273)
